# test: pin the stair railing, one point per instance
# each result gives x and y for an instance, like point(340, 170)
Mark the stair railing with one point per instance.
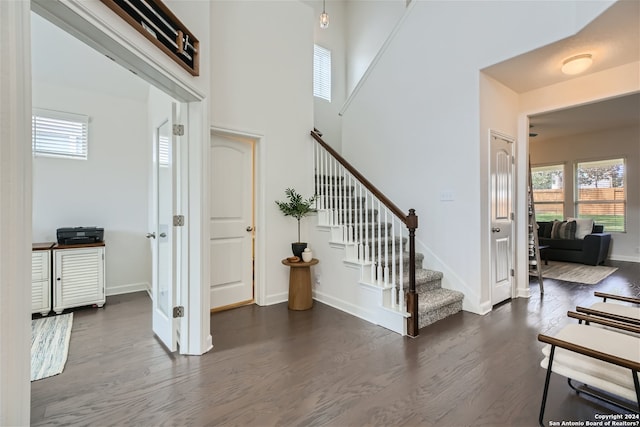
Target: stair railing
point(369, 223)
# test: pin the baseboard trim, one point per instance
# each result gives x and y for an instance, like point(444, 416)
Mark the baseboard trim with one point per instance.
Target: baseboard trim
point(624, 258)
point(128, 288)
point(277, 298)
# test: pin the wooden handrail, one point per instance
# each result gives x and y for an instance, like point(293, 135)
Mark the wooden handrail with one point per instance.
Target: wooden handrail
point(606, 315)
point(353, 171)
point(410, 220)
point(604, 296)
point(617, 324)
point(605, 357)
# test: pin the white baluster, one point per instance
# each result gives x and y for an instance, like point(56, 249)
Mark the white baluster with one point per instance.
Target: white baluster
point(386, 248)
point(379, 255)
point(394, 277)
point(360, 228)
point(401, 265)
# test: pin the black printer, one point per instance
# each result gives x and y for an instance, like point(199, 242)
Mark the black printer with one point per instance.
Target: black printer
point(79, 235)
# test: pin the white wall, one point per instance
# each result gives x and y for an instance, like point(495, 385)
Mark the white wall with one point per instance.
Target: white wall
point(325, 113)
point(611, 143)
point(261, 84)
point(108, 190)
point(368, 26)
point(424, 96)
point(498, 112)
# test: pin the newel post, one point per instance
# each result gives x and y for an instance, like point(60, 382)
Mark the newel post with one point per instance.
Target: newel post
point(412, 297)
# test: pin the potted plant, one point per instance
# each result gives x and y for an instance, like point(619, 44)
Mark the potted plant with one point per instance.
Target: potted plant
point(297, 207)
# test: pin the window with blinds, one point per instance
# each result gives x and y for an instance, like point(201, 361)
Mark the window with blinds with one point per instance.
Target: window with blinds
point(59, 134)
point(321, 72)
point(548, 192)
point(601, 193)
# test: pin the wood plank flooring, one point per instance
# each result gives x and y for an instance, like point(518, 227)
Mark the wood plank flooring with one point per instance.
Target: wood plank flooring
point(275, 367)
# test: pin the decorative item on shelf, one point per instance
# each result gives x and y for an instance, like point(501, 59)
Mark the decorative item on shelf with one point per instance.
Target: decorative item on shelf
point(293, 259)
point(307, 255)
point(297, 207)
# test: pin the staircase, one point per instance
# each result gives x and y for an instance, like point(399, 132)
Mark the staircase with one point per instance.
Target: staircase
point(374, 236)
point(434, 302)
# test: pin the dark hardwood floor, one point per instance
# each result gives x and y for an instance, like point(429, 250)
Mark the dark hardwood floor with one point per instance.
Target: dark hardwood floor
point(275, 367)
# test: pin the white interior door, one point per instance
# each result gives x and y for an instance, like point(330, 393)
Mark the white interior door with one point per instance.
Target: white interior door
point(501, 171)
point(231, 221)
point(164, 236)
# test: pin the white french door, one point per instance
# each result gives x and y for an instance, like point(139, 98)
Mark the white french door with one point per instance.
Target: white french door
point(502, 248)
point(164, 235)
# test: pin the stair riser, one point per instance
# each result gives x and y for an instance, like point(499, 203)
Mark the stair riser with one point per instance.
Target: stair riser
point(426, 319)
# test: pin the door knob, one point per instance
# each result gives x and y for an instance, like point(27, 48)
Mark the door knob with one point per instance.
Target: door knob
point(151, 235)
point(249, 228)
point(495, 229)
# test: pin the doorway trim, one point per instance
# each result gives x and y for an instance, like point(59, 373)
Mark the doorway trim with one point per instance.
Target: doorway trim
point(258, 205)
point(84, 21)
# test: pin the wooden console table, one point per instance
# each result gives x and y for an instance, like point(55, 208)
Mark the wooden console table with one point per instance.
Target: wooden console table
point(300, 284)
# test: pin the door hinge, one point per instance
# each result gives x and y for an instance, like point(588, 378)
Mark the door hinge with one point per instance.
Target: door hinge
point(513, 272)
point(178, 220)
point(513, 160)
point(178, 311)
point(178, 130)
point(513, 216)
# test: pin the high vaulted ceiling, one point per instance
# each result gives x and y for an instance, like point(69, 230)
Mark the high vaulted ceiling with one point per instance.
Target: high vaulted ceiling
point(613, 38)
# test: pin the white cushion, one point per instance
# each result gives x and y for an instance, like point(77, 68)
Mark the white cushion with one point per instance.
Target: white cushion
point(584, 226)
point(619, 309)
point(606, 376)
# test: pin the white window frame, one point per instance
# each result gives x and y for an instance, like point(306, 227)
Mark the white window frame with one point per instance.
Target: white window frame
point(553, 166)
point(321, 72)
point(579, 202)
point(59, 134)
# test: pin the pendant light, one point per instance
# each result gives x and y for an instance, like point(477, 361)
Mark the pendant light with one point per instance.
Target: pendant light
point(324, 17)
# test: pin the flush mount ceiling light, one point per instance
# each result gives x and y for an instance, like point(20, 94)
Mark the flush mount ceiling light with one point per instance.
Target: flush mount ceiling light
point(324, 17)
point(577, 64)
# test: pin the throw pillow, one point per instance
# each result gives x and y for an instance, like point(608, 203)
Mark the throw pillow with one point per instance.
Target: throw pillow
point(564, 230)
point(547, 229)
point(584, 226)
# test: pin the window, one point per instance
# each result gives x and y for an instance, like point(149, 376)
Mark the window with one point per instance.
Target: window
point(548, 192)
point(58, 134)
point(601, 194)
point(321, 72)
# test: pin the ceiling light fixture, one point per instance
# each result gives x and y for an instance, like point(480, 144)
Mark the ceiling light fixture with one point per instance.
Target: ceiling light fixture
point(324, 17)
point(577, 64)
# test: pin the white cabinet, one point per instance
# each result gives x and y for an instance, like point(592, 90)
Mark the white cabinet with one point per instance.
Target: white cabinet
point(78, 276)
point(41, 278)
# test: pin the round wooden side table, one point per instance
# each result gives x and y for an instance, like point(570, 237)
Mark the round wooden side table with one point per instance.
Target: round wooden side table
point(300, 284)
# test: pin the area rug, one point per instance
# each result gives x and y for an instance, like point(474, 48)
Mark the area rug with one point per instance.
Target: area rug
point(49, 345)
point(578, 273)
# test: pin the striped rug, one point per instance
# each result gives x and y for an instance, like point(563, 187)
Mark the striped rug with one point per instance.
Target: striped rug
point(49, 345)
point(578, 273)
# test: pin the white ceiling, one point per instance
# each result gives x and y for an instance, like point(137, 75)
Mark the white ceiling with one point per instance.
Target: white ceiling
point(613, 38)
point(611, 113)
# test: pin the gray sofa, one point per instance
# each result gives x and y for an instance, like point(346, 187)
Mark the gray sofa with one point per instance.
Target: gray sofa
point(592, 250)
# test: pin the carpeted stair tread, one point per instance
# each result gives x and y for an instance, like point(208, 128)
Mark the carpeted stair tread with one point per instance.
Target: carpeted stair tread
point(425, 279)
point(437, 304)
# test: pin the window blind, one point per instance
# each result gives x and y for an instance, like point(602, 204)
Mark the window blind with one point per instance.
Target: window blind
point(59, 134)
point(321, 72)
